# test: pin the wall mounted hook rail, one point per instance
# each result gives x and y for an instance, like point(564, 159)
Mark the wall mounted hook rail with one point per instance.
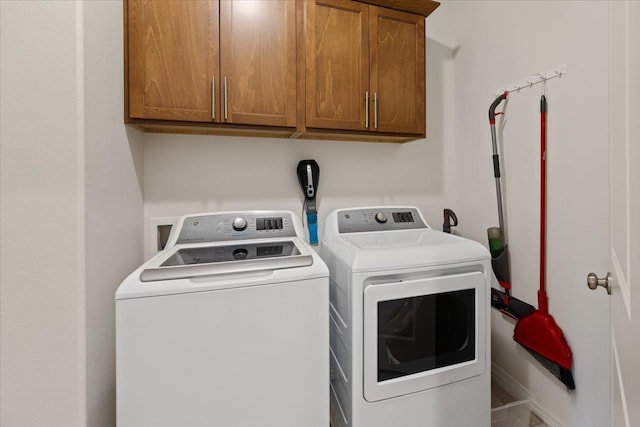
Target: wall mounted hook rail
point(532, 80)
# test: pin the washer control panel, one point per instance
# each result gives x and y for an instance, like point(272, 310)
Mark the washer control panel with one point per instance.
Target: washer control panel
point(379, 219)
point(232, 226)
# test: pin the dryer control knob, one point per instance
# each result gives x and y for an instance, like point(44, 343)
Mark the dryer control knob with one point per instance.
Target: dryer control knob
point(239, 224)
point(381, 217)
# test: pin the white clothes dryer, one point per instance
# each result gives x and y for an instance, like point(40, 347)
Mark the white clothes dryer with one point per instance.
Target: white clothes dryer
point(228, 326)
point(410, 328)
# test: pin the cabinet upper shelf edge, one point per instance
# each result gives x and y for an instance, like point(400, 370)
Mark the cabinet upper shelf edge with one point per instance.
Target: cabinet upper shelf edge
point(418, 7)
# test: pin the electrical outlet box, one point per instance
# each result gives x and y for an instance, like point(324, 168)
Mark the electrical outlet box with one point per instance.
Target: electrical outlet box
point(163, 236)
point(158, 234)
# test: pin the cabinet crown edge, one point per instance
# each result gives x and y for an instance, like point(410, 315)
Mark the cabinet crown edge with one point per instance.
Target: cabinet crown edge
point(418, 7)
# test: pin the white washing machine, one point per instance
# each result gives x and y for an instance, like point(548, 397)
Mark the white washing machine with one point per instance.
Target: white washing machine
point(410, 328)
point(226, 327)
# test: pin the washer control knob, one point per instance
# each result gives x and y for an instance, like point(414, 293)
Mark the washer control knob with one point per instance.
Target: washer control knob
point(239, 224)
point(381, 217)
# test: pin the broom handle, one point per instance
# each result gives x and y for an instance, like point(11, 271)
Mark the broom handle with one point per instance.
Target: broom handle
point(542, 295)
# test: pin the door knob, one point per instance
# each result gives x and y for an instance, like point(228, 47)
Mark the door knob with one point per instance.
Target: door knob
point(593, 282)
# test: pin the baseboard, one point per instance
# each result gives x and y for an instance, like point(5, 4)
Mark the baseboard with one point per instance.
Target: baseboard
point(517, 390)
point(508, 383)
point(545, 416)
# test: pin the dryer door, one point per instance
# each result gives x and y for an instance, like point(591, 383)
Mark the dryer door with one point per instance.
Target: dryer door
point(423, 333)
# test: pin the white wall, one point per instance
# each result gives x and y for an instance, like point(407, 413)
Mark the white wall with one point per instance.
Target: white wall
point(42, 215)
point(496, 43)
point(186, 174)
point(71, 211)
point(113, 200)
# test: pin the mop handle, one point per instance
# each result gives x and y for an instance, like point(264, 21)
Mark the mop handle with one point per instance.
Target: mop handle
point(496, 161)
point(494, 105)
point(542, 295)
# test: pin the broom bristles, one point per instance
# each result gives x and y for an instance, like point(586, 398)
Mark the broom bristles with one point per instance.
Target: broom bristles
point(560, 372)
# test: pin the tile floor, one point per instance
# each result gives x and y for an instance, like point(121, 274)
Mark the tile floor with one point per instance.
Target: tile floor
point(500, 397)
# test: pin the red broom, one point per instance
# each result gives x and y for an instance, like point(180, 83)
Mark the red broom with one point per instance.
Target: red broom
point(539, 333)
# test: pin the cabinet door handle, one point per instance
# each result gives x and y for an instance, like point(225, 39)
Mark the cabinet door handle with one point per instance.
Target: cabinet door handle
point(213, 97)
point(375, 110)
point(366, 110)
point(226, 115)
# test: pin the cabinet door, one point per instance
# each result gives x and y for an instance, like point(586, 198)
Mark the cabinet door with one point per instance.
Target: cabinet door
point(337, 64)
point(258, 62)
point(397, 71)
point(173, 56)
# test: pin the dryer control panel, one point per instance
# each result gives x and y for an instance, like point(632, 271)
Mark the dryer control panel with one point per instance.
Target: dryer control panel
point(379, 219)
point(236, 226)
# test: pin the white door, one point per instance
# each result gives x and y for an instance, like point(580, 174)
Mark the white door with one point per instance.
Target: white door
point(625, 212)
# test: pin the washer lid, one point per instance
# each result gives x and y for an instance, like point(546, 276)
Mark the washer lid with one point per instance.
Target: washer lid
point(185, 261)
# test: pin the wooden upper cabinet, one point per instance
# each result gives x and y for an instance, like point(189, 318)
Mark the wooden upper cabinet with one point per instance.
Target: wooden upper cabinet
point(365, 68)
point(340, 69)
point(219, 61)
point(398, 71)
point(172, 58)
point(258, 62)
point(337, 64)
